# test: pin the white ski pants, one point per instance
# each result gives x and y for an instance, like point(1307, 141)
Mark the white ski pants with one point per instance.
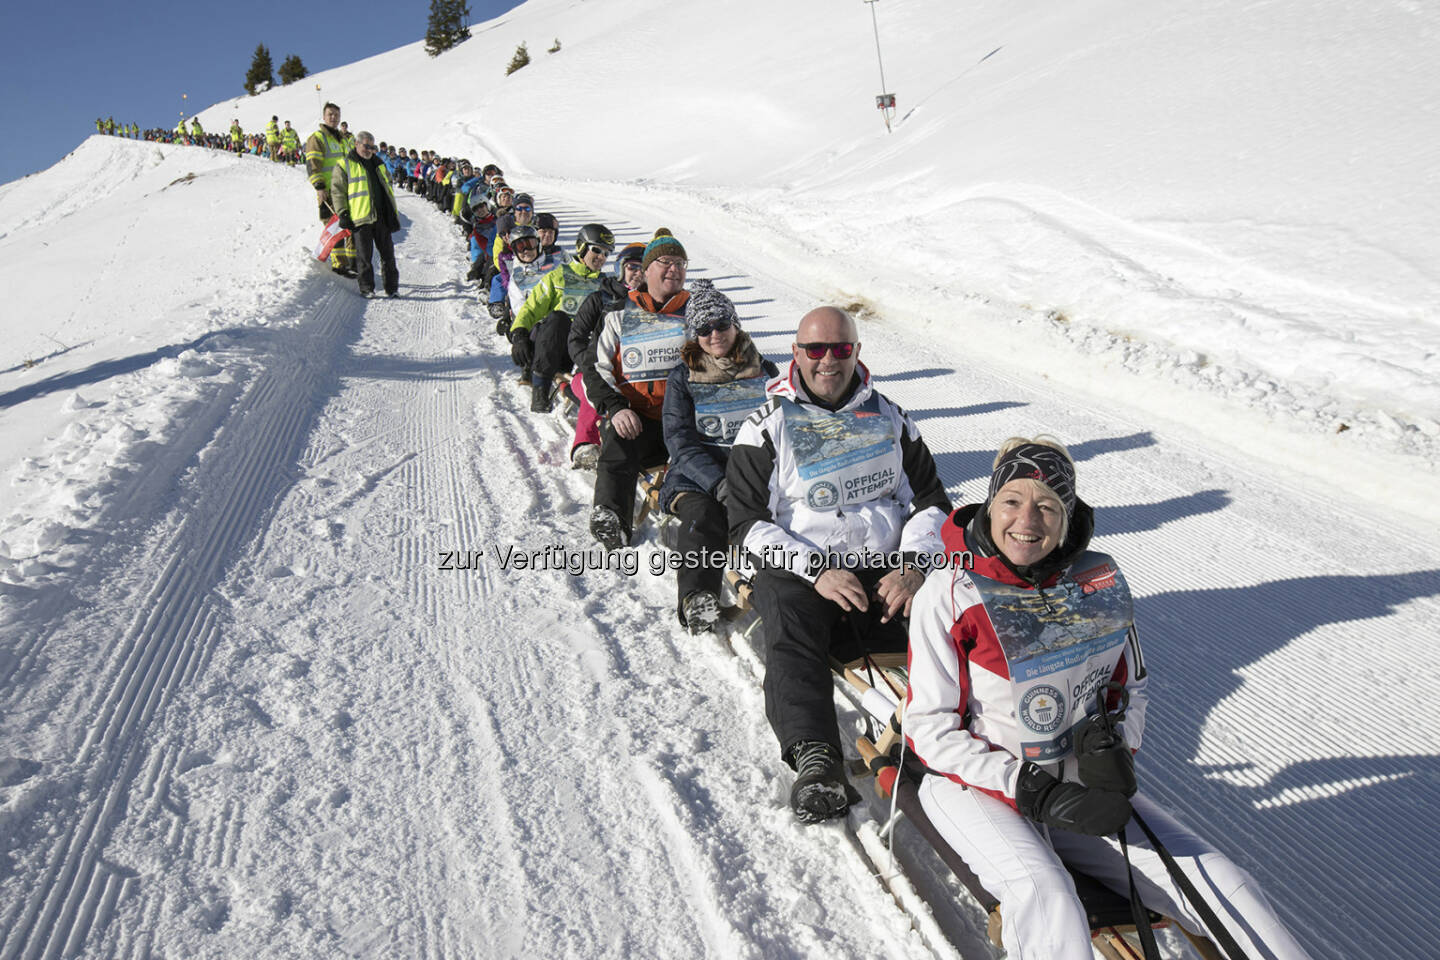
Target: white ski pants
point(1041, 916)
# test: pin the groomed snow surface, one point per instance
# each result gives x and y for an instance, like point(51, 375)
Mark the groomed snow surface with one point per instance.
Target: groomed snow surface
point(244, 713)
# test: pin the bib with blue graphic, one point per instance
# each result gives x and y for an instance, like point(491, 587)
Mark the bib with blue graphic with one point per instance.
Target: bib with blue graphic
point(575, 289)
point(844, 457)
point(649, 343)
point(720, 408)
point(1062, 645)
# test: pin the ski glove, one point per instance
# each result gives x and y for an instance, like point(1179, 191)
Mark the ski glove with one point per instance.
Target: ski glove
point(1106, 763)
point(346, 222)
point(522, 349)
point(1069, 806)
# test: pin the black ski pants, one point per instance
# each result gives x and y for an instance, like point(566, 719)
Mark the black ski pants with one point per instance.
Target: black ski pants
point(702, 530)
point(374, 235)
point(620, 464)
point(802, 631)
point(551, 356)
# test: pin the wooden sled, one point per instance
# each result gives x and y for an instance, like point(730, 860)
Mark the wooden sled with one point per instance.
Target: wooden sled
point(650, 481)
point(879, 684)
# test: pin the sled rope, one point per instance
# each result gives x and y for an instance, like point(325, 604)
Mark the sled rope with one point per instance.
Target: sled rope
point(1137, 908)
point(1218, 932)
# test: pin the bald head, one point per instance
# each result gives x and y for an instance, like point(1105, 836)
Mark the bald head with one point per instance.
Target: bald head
point(827, 377)
point(826, 324)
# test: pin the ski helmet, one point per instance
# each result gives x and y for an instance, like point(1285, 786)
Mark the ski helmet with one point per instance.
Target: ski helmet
point(630, 253)
point(525, 235)
point(594, 234)
point(524, 198)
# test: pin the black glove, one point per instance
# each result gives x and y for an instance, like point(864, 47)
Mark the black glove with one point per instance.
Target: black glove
point(522, 350)
point(497, 309)
point(1070, 806)
point(346, 222)
point(1105, 761)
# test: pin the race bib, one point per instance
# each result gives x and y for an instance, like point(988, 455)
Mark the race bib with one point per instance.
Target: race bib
point(649, 343)
point(525, 276)
point(575, 290)
point(844, 457)
point(1062, 645)
point(720, 408)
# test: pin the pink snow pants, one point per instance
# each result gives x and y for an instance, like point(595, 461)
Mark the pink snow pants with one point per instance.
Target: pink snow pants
point(587, 424)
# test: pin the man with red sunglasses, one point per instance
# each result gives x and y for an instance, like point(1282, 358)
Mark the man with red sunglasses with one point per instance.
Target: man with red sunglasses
point(833, 495)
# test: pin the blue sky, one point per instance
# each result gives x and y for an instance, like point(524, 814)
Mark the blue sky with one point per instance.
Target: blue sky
point(61, 67)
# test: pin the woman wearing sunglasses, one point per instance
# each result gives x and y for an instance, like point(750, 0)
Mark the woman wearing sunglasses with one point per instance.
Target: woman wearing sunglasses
point(719, 381)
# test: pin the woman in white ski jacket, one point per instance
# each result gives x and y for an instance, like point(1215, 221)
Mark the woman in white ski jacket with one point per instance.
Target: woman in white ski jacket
point(1012, 653)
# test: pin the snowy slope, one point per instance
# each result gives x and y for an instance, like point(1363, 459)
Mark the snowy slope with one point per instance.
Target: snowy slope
point(1238, 200)
point(242, 711)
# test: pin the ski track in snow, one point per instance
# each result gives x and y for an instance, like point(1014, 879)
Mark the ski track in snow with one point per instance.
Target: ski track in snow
point(289, 733)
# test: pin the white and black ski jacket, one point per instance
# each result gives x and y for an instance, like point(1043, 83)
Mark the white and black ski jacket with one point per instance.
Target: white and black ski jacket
point(807, 484)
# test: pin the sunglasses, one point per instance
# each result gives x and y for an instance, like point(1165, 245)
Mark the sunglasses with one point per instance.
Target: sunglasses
point(816, 351)
point(715, 326)
point(523, 208)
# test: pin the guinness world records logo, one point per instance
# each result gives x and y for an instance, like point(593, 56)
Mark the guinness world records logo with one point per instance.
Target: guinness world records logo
point(1042, 709)
point(822, 495)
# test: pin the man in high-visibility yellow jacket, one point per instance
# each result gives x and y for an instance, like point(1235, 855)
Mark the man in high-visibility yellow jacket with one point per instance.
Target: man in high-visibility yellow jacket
point(323, 151)
point(272, 138)
point(360, 189)
point(289, 144)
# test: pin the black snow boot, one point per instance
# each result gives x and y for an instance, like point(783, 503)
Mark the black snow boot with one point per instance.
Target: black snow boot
point(540, 401)
point(819, 792)
point(700, 611)
point(605, 526)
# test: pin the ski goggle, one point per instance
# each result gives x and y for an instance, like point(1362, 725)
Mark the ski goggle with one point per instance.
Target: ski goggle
point(714, 326)
point(816, 351)
point(523, 208)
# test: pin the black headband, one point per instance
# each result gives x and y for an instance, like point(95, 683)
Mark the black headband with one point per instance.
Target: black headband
point(1035, 461)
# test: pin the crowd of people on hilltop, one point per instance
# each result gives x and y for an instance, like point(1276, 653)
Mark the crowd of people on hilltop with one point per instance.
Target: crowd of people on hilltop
point(1028, 688)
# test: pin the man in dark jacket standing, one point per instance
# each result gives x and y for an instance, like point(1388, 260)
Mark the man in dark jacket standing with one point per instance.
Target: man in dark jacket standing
point(360, 189)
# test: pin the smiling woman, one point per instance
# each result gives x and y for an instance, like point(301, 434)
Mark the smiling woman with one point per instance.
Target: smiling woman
point(1027, 696)
point(1032, 493)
